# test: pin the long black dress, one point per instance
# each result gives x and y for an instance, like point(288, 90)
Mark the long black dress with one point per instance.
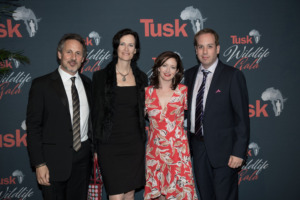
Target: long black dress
point(122, 159)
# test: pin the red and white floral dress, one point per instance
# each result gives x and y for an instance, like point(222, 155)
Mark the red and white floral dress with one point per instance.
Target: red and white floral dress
point(168, 160)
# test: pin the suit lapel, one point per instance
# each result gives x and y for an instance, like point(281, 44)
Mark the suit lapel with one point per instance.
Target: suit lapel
point(60, 89)
point(213, 86)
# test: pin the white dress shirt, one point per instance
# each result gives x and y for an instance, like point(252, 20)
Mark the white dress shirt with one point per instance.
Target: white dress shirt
point(197, 85)
point(84, 106)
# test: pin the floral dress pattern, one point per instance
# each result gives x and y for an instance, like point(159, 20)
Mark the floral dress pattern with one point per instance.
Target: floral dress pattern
point(168, 160)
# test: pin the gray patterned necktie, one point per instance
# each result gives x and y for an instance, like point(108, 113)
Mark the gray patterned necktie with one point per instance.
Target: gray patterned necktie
point(76, 116)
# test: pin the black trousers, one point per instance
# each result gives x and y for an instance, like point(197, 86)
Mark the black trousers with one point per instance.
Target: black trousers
point(213, 183)
point(76, 186)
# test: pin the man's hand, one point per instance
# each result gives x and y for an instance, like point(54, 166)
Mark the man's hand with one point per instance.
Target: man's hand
point(42, 175)
point(235, 162)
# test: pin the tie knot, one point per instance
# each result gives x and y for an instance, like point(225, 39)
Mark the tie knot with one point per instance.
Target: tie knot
point(73, 80)
point(205, 72)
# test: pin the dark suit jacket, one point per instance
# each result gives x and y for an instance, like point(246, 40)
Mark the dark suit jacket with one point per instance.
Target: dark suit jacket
point(226, 121)
point(49, 127)
point(104, 82)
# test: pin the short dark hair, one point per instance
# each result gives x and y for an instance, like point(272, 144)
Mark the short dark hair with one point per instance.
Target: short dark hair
point(72, 36)
point(204, 31)
point(159, 61)
point(116, 42)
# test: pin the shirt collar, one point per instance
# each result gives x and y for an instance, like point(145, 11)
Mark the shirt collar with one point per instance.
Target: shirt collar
point(212, 68)
point(66, 76)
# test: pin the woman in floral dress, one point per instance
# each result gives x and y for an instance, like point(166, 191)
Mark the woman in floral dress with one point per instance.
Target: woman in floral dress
point(168, 161)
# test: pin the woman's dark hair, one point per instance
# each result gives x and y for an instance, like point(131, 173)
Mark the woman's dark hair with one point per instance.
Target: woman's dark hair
point(116, 43)
point(159, 61)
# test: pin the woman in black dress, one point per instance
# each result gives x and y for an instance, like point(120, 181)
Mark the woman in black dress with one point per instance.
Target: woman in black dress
point(118, 118)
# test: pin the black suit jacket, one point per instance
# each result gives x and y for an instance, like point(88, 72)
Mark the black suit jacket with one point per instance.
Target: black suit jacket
point(226, 121)
point(49, 127)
